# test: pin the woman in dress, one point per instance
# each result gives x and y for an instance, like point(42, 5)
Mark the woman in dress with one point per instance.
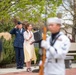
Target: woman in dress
point(29, 50)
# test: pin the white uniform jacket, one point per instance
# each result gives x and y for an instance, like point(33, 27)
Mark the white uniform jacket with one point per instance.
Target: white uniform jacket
point(55, 55)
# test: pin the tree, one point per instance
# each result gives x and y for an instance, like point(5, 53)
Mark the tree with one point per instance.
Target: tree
point(69, 8)
point(31, 10)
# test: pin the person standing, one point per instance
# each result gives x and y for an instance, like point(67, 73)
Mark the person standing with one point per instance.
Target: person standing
point(57, 46)
point(18, 44)
point(38, 39)
point(29, 50)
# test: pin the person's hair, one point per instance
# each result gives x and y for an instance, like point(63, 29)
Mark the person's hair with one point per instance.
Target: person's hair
point(24, 24)
point(35, 28)
point(27, 25)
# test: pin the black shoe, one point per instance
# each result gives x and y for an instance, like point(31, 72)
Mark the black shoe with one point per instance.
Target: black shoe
point(19, 67)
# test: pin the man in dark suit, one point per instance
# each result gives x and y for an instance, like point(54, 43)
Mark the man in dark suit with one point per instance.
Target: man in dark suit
point(18, 44)
point(38, 39)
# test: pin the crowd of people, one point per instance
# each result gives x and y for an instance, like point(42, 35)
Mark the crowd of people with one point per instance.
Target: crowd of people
point(56, 45)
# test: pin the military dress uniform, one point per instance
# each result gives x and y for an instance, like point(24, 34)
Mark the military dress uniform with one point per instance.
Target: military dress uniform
point(55, 54)
point(18, 46)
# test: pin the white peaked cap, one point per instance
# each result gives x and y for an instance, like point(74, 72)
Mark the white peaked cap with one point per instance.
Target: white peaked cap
point(54, 20)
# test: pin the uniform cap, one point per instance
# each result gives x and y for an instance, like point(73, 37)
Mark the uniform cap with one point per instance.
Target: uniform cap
point(54, 20)
point(19, 23)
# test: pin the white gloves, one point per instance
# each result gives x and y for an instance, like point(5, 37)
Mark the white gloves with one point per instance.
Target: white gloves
point(45, 44)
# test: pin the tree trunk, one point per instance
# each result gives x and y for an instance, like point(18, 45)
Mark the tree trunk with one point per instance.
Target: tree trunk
point(74, 22)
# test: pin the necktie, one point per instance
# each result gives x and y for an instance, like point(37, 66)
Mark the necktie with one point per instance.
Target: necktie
point(20, 30)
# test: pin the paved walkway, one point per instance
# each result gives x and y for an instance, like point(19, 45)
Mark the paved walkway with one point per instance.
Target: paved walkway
point(68, 72)
point(14, 71)
point(71, 71)
point(4, 71)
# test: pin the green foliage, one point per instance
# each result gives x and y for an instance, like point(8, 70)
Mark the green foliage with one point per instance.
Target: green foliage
point(8, 54)
point(6, 26)
point(37, 54)
point(31, 10)
point(74, 57)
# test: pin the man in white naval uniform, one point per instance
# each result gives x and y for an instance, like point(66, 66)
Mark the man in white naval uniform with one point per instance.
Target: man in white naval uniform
point(57, 46)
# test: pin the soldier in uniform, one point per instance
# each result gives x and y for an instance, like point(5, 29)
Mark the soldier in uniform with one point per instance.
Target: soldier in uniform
point(57, 46)
point(18, 44)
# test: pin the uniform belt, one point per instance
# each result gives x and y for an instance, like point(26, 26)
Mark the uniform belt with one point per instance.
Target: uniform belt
point(52, 61)
point(55, 60)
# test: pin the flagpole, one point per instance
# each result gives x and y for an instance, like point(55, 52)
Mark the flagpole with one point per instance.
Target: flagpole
point(44, 38)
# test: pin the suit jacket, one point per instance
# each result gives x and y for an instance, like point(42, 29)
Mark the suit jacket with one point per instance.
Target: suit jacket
point(38, 37)
point(39, 42)
point(19, 39)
